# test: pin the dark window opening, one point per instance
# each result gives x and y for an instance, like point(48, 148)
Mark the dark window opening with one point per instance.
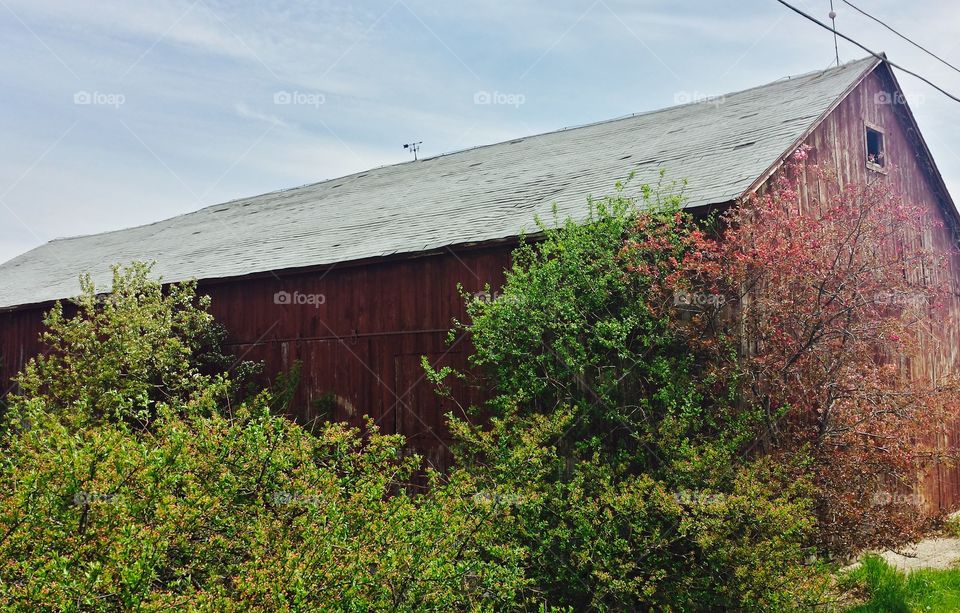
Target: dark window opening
point(875, 153)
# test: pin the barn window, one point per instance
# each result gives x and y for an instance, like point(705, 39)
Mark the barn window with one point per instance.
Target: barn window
point(876, 156)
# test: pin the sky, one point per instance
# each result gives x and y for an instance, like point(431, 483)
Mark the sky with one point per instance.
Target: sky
point(118, 113)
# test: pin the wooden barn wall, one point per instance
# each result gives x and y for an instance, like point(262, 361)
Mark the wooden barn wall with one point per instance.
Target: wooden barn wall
point(839, 142)
point(359, 333)
point(19, 341)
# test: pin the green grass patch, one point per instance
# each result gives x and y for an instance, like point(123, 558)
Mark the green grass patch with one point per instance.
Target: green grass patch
point(891, 591)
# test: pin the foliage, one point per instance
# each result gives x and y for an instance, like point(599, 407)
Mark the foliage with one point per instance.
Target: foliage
point(680, 355)
point(835, 304)
point(612, 438)
point(596, 537)
point(586, 322)
point(126, 352)
point(681, 412)
point(224, 512)
point(128, 482)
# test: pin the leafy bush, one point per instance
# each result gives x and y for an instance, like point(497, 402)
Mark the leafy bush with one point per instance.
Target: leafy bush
point(128, 481)
point(587, 321)
point(224, 511)
point(127, 351)
point(613, 438)
point(599, 537)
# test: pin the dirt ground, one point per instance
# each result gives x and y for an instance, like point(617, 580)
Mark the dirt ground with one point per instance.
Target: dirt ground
point(937, 552)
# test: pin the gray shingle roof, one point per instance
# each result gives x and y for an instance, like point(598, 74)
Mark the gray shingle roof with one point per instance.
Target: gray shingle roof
point(721, 146)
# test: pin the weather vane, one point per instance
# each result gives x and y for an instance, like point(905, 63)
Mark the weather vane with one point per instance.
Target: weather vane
point(414, 148)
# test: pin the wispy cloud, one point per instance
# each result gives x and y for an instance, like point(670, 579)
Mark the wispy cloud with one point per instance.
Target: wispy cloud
point(200, 80)
point(243, 110)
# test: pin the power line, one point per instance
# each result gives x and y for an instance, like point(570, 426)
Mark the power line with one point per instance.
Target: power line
point(917, 45)
point(871, 52)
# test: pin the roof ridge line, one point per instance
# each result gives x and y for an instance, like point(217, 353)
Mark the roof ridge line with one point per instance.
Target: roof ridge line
point(460, 151)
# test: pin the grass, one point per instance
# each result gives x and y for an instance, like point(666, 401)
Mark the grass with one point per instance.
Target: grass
point(891, 591)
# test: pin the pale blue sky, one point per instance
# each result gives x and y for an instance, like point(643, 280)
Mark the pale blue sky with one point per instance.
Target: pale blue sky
point(122, 112)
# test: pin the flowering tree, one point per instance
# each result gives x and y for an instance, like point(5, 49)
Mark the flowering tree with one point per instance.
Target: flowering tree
point(834, 305)
point(661, 387)
point(614, 434)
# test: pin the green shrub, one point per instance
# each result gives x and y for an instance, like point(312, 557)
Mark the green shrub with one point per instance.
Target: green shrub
point(611, 475)
point(128, 481)
point(622, 451)
point(219, 512)
point(598, 537)
point(126, 352)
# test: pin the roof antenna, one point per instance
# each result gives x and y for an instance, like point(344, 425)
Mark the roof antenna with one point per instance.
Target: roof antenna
point(833, 20)
point(413, 147)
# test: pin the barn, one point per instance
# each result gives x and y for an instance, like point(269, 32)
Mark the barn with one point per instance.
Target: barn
point(357, 277)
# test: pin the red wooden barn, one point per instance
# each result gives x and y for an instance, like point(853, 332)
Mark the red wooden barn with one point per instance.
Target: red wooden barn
point(357, 277)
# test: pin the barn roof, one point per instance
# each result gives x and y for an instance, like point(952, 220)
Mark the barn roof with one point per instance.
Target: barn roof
point(721, 146)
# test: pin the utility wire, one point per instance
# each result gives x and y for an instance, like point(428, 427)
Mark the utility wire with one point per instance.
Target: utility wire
point(873, 53)
point(917, 45)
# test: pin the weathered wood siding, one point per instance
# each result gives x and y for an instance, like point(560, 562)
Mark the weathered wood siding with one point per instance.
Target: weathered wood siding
point(360, 345)
point(19, 341)
point(839, 142)
point(360, 340)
